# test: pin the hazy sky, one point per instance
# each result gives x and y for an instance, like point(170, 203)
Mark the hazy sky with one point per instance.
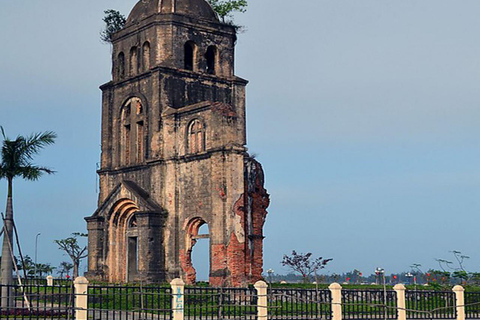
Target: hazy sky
point(365, 115)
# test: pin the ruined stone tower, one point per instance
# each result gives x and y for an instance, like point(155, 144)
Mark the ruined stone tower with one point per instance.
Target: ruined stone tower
point(173, 153)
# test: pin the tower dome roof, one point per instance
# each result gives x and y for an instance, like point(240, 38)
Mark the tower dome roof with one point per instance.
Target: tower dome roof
point(195, 8)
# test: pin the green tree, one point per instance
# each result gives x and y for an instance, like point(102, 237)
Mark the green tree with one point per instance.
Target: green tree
point(64, 268)
point(16, 161)
point(304, 264)
point(44, 269)
point(29, 265)
point(114, 22)
point(225, 8)
point(73, 250)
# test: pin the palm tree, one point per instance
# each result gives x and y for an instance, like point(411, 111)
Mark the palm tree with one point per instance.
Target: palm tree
point(16, 161)
point(65, 268)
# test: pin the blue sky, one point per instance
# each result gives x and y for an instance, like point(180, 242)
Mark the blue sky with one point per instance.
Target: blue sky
point(365, 115)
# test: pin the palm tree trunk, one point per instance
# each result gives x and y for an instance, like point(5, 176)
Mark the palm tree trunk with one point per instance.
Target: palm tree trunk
point(6, 274)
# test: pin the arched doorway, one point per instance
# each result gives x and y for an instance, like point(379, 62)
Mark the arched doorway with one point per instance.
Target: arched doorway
point(201, 254)
point(123, 244)
point(132, 248)
point(197, 236)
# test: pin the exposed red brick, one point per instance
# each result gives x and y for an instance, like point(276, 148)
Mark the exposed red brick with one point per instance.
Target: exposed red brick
point(188, 269)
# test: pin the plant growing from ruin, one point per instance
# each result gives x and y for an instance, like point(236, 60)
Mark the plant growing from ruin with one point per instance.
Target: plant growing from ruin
point(225, 8)
point(304, 264)
point(73, 250)
point(17, 161)
point(114, 22)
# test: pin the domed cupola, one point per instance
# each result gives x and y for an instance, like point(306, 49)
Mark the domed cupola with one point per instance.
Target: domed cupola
point(199, 9)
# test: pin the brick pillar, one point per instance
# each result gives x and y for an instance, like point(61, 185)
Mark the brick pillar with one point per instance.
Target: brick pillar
point(460, 302)
point(401, 310)
point(150, 234)
point(95, 227)
point(336, 291)
point(256, 203)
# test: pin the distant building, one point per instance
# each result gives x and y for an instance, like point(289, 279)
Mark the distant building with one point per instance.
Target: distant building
point(173, 153)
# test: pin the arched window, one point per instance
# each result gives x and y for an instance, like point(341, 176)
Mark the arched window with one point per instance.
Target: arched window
point(146, 56)
point(132, 222)
point(211, 57)
point(196, 137)
point(133, 132)
point(139, 107)
point(189, 55)
point(126, 112)
point(133, 61)
point(121, 65)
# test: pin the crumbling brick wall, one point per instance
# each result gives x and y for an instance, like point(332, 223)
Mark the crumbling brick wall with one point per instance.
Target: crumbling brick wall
point(152, 161)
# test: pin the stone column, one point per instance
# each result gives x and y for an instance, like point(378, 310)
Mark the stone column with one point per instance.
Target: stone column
point(336, 291)
point(81, 298)
point(50, 281)
point(151, 265)
point(460, 302)
point(401, 306)
point(262, 303)
point(178, 298)
point(95, 227)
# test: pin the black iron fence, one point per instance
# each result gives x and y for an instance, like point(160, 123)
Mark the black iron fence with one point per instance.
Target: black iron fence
point(299, 303)
point(368, 304)
point(122, 302)
point(36, 302)
point(430, 305)
point(472, 305)
point(220, 303)
point(108, 302)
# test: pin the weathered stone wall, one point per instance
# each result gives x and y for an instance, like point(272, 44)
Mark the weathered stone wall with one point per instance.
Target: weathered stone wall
point(174, 156)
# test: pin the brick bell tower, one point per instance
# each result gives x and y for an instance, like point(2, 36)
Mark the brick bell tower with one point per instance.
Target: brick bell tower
point(173, 153)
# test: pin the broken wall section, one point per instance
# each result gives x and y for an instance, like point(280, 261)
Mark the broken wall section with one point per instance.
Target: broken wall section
point(245, 250)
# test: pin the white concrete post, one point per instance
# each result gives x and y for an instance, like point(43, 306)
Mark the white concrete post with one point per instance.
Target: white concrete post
point(81, 298)
point(460, 295)
point(50, 281)
point(178, 298)
point(336, 291)
point(401, 305)
point(262, 302)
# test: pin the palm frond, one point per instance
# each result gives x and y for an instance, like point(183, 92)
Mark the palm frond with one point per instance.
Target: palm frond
point(3, 133)
point(16, 155)
point(37, 141)
point(33, 172)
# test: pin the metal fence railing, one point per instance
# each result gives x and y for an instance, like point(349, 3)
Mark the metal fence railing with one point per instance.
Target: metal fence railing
point(129, 302)
point(36, 302)
point(472, 305)
point(368, 304)
point(299, 303)
point(204, 303)
point(84, 301)
point(430, 304)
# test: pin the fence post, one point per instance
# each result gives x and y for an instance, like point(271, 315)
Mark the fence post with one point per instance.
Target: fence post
point(178, 298)
point(81, 298)
point(336, 291)
point(460, 298)
point(401, 305)
point(262, 303)
point(50, 281)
